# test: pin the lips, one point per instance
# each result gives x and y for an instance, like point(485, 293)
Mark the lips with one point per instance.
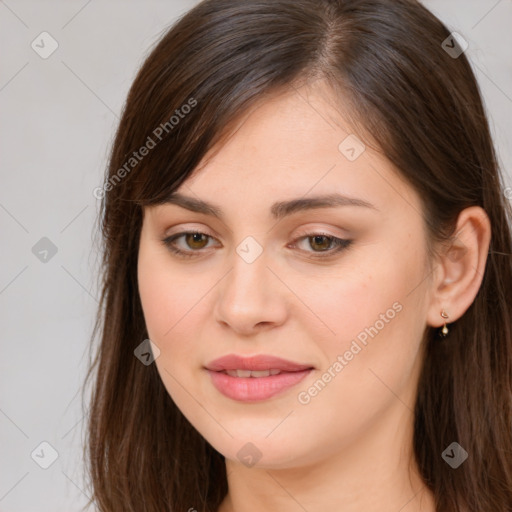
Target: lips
point(256, 378)
point(257, 363)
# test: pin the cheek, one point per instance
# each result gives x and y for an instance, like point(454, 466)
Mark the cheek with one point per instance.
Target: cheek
point(167, 295)
point(378, 283)
point(176, 302)
point(171, 304)
point(377, 302)
point(376, 312)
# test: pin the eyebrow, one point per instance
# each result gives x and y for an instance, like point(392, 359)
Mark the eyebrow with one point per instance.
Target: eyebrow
point(278, 210)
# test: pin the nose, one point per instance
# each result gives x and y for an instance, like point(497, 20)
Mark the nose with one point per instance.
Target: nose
point(251, 297)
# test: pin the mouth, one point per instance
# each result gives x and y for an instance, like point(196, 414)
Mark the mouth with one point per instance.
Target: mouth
point(257, 374)
point(255, 364)
point(257, 378)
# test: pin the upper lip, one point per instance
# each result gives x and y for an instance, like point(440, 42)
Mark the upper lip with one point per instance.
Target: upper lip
point(259, 362)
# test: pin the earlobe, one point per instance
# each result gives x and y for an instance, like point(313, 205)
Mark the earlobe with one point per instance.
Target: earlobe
point(460, 267)
point(445, 330)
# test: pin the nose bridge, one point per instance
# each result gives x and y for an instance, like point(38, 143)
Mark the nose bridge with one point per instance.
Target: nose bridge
point(248, 279)
point(249, 294)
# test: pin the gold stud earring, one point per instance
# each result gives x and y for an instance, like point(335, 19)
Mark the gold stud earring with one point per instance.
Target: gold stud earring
point(444, 330)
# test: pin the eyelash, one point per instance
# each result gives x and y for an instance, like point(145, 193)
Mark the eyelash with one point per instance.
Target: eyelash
point(340, 244)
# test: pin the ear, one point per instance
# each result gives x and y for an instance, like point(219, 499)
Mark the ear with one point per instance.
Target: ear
point(460, 267)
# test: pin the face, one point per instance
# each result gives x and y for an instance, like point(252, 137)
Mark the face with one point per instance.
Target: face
point(339, 289)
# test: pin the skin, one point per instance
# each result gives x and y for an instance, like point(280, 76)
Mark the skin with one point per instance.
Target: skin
point(350, 447)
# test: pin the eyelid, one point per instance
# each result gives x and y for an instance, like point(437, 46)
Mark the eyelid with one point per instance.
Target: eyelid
point(316, 230)
point(303, 232)
point(184, 229)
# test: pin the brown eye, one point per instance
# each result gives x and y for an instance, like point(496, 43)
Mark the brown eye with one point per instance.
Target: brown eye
point(320, 242)
point(193, 240)
point(321, 245)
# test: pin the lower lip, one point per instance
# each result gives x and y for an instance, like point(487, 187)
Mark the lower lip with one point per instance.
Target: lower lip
point(253, 389)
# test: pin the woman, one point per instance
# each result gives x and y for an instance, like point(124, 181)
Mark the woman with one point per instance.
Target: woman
point(307, 270)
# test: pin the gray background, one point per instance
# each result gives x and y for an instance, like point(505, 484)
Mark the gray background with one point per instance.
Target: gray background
point(58, 117)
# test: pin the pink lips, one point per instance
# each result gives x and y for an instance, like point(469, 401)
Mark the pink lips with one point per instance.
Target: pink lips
point(251, 389)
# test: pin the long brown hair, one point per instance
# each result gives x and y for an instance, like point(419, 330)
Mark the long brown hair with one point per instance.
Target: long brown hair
point(411, 99)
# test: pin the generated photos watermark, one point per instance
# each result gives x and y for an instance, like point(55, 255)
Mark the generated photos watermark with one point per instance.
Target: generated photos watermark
point(137, 156)
point(305, 397)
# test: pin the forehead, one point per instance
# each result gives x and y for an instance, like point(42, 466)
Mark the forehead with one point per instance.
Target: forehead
point(294, 145)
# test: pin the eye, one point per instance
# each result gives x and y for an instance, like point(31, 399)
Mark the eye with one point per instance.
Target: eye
point(197, 240)
point(324, 243)
point(193, 239)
